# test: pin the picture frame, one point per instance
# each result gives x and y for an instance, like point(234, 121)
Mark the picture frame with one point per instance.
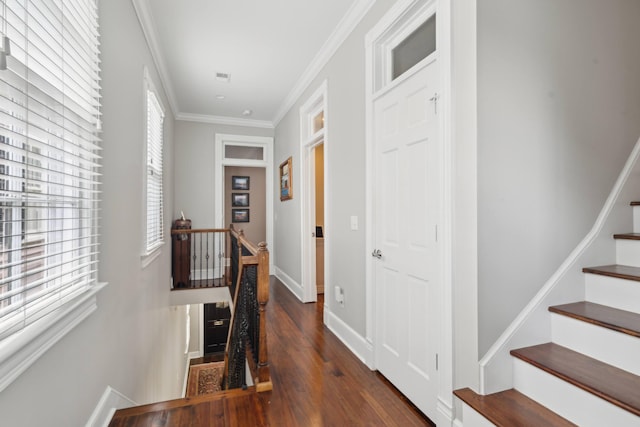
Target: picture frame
point(239, 215)
point(240, 200)
point(240, 182)
point(286, 180)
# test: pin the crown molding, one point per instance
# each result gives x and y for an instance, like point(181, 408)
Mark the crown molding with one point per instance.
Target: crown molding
point(224, 120)
point(145, 17)
point(356, 12)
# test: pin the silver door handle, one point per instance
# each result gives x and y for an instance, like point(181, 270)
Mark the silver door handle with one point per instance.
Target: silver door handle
point(377, 253)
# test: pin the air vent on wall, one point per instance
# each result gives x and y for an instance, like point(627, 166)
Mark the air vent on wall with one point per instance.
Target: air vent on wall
point(223, 77)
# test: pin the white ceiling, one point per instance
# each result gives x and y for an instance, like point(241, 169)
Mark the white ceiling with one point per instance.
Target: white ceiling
point(271, 49)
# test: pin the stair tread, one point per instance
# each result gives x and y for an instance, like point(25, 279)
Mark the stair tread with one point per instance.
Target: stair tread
point(615, 319)
point(627, 236)
point(511, 408)
point(615, 270)
point(615, 385)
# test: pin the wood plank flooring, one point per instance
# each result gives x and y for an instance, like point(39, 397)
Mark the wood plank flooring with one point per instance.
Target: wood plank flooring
point(317, 381)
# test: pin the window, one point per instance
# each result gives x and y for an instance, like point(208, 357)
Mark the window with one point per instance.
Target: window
point(155, 121)
point(49, 159)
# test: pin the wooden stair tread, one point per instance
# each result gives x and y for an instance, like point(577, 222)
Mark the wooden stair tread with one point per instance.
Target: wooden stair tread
point(627, 236)
point(626, 322)
point(619, 271)
point(612, 384)
point(510, 408)
point(228, 408)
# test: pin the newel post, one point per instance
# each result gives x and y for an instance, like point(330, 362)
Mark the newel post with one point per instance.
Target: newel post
point(264, 377)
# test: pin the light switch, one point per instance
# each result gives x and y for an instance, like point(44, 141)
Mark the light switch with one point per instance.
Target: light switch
point(354, 222)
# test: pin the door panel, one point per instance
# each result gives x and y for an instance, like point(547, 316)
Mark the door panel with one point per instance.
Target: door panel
point(407, 210)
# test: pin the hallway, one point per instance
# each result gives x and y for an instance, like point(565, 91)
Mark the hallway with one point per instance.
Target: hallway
point(317, 381)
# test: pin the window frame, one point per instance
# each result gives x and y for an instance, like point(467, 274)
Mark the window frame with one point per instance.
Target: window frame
point(21, 349)
point(151, 251)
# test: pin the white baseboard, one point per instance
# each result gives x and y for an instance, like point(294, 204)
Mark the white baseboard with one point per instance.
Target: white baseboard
point(110, 401)
point(292, 285)
point(354, 341)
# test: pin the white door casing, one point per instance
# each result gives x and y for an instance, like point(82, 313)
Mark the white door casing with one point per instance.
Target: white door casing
point(400, 21)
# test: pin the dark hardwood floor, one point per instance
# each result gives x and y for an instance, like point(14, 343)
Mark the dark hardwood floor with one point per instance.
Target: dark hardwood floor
point(317, 381)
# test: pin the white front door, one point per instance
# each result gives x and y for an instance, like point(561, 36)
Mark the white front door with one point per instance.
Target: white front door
point(407, 211)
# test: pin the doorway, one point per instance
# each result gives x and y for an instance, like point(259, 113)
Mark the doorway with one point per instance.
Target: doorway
point(314, 149)
point(408, 227)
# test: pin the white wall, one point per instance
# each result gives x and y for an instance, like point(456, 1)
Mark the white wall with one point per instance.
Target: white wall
point(558, 114)
point(194, 177)
point(135, 341)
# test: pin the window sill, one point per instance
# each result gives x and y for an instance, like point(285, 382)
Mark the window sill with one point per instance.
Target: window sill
point(150, 256)
point(21, 350)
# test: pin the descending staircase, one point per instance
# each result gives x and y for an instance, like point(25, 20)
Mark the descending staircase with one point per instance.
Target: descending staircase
point(589, 374)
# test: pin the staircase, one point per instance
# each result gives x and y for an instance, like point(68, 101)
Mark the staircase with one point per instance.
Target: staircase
point(589, 374)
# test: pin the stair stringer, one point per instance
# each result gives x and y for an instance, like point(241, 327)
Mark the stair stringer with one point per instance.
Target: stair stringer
point(533, 325)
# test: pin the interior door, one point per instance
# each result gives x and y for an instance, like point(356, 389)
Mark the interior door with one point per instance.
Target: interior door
point(407, 210)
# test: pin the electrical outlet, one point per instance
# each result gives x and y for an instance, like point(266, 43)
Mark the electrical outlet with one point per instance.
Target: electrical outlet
point(339, 295)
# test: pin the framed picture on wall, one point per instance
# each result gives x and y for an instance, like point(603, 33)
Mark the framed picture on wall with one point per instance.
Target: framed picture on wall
point(239, 215)
point(240, 199)
point(286, 183)
point(239, 182)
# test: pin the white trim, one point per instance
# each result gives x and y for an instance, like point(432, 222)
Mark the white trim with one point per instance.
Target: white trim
point(376, 76)
point(110, 401)
point(495, 370)
point(219, 162)
point(224, 120)
point(354, 15)
point(145, 17)
point(22, 349)
point(316, 103)
point(355, 342)
point(147, 259)
point(291, 284)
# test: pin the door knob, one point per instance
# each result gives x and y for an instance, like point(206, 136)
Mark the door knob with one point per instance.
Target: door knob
point(377, 253)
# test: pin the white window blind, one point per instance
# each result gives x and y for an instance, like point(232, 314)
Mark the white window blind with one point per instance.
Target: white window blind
point(49, 156)
point(155, 121)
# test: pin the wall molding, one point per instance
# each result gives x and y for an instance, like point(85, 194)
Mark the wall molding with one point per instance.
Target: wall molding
point(110, 401)
point(355, 342)
point(224, 120)
point(346, 26)
point(292, 285)
point(145, 17)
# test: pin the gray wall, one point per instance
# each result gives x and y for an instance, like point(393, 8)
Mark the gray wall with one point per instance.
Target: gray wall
point(194, 157)
point(345, 191)
point(134, 335)
point(558, 114)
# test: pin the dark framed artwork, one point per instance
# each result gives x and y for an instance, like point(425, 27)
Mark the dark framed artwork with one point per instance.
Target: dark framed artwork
point(286, 183)
point(239, 215)
point(239, 182)
point(240, 200)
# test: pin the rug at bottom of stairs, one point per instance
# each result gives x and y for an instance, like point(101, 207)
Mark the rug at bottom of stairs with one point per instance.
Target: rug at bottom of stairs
point(205, 378)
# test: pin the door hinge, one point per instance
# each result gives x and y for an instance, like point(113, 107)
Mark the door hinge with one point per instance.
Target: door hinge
point(436, 361)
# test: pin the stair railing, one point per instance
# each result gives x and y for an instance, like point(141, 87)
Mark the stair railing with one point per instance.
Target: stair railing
point(247, 339)
point(198, 257)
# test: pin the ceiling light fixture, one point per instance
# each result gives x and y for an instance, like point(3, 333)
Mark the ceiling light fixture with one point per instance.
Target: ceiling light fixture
point(220, 97)
point(247, 112)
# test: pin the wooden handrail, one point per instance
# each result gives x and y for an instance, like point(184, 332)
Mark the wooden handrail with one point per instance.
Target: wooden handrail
point(198, 230)
point(259, 257)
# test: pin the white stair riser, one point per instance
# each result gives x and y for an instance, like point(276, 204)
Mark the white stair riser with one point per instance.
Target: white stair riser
point(615, 348)
point(636, 219)
point(471, 418)
point(617, 293)
point(628, 252)
point(567, 400)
